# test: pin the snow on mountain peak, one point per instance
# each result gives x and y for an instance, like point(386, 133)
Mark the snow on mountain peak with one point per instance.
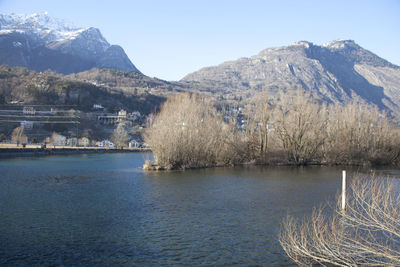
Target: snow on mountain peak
point(34, 21)
point(51, 40)
point(49, 28)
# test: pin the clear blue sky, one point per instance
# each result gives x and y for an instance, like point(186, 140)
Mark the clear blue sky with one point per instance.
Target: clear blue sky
point(171, 38)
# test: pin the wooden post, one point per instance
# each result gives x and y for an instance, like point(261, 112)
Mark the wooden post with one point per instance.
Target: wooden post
point(343, 190)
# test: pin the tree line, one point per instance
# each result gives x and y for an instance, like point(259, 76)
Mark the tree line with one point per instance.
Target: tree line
point(291, 128)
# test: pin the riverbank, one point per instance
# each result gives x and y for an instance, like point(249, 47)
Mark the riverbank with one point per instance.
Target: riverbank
point(12, 150)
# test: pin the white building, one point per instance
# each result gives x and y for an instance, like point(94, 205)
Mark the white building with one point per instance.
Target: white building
point(84, 141)
point(134, 144)
point(106, 143)
point(72, 141)
point(122, 113)
point(98, 106)
point(60, 140)
point(29, 111)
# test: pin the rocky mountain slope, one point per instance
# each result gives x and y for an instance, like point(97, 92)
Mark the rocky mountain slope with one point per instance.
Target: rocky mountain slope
point(25, 87)
point(128, 82)
point(40, 42)
point(338, 71)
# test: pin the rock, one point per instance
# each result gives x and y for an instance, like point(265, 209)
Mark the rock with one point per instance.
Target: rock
point(338, 71)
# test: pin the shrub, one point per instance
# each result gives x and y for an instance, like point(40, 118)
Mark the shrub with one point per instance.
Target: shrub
point(188, 133)
point(360, 135)
point(367, 233)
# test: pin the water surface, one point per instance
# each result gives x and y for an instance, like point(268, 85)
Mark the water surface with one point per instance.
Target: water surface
point(103, 210)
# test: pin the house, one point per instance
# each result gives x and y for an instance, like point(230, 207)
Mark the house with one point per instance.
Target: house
point(107, 144)
point(108, 118)
point(134, 144)
point(28, 111)
point(97, 106)
point(59, 140)
point(84, 141)
point(122, 113)
point(72, 141)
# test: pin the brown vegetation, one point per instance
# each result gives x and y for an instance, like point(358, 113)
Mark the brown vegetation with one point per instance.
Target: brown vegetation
point(189, 133)
point(18, 136)
point(120, 136)
point(357, 134)
point(49, 88)
point(259, 126)
point(300, 127)
point(291, 129)
point(366, 234)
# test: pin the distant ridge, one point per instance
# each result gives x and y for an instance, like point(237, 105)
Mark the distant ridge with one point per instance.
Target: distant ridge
point(338, 71)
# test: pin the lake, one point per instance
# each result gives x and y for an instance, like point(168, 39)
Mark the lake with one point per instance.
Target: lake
point(101, 209)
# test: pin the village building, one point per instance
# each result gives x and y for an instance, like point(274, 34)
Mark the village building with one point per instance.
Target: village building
point(72, 141)
point(84, 141)
point(122, 113)
point(107, 144)
point(134, 144)
point(59, 140)
point(29, 111)
point(113, 119)
point(97, 106)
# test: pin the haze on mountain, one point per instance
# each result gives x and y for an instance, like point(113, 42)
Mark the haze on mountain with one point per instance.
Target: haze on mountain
point(338, 71)
point(40, 42)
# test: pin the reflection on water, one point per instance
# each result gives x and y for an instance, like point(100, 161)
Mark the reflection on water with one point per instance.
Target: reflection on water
point(103, 210)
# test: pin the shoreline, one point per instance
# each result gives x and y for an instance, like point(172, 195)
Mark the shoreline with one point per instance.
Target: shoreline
point(12, 152)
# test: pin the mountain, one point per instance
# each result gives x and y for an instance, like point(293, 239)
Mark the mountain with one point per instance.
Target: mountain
point(25, 87)
point(40, 42)
point(20, 87)
point(338, 71)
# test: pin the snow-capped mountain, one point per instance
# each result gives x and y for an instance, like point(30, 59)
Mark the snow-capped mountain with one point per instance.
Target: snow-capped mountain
point(40, 42)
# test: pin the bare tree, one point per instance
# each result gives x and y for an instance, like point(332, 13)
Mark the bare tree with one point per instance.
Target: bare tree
point(366, 234)
point(299, 123)
point(18, 135)
point(294, 128)
point(360, 135)
point(58, 139)
point(120, 135)
point(259, 115)
point(188, 133)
